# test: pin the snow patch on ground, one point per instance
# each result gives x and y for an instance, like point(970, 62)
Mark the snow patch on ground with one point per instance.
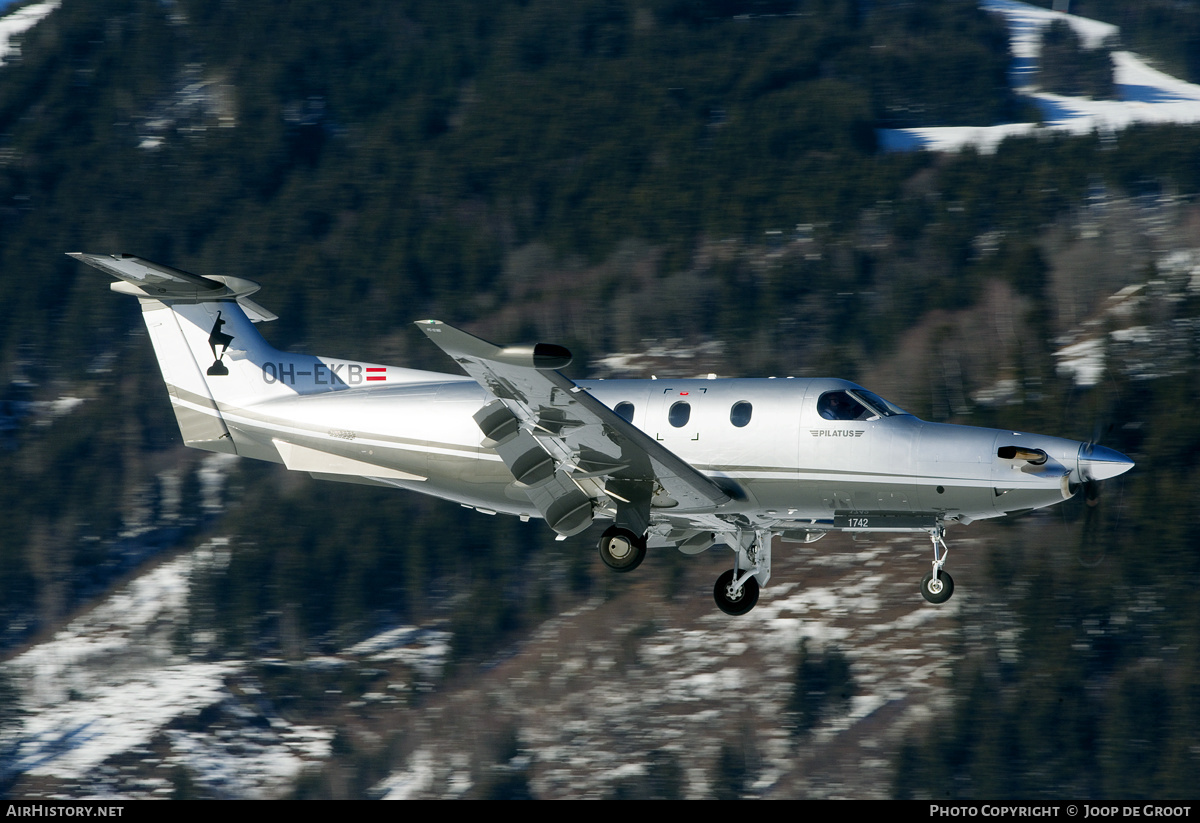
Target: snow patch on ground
point(1116, 338)
point(1025, 25)
point(1082, 361)
point(19, 22)
point(425, 650)
point(1145, 94)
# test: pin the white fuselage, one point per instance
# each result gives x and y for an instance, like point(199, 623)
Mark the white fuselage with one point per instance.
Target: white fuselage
point(786, 461)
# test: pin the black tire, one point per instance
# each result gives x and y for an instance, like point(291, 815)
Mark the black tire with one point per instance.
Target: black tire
point(742, 602)
point(940, 591)
point(622, 550)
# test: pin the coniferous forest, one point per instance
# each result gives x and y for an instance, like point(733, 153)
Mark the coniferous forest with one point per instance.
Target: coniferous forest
point(601, 174)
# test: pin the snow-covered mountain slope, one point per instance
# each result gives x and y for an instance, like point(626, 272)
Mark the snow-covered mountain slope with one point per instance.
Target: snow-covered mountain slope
point(112, 684)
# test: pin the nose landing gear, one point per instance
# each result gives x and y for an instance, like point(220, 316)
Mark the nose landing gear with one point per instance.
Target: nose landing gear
point(937, 585)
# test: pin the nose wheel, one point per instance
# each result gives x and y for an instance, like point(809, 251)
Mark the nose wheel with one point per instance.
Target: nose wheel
point(937, 589)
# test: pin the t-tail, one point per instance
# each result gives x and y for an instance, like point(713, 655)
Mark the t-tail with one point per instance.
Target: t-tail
point(214, 361)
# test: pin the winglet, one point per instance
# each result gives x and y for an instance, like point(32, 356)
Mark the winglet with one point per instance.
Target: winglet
point(457, 343)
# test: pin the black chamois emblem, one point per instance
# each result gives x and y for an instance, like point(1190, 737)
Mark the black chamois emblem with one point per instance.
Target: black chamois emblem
point(218, 339)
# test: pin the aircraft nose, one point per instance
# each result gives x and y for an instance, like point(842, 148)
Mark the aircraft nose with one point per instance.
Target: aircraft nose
point(1101, 463)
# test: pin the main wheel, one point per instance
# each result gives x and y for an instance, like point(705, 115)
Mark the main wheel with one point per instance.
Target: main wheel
point(622, 550)
point(937, 591)
point(732, 602)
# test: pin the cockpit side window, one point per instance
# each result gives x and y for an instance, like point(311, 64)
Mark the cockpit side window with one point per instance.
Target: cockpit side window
point(856, 404)
point(840, 405)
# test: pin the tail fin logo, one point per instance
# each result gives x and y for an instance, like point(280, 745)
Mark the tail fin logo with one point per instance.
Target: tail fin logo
point(218, 339)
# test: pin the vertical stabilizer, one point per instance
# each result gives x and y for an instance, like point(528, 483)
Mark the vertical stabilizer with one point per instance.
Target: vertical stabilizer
point(215, 363)
point(211, 356)
point(199, 417)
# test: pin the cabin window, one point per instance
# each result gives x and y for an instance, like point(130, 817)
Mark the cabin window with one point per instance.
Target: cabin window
point(625, 411)
point(679, 414)
point(739, 415)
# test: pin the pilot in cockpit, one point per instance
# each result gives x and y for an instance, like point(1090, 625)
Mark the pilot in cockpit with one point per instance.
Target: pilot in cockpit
point(839, 405)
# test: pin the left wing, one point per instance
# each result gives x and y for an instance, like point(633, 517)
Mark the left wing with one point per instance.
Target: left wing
point(565, 447)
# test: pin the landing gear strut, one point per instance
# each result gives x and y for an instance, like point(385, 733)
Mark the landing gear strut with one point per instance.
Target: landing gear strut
point(622, 550)
point(937, 585)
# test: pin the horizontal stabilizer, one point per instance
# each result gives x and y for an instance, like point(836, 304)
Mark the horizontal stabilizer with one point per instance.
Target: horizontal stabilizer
point(141, 278)
point(255, 312)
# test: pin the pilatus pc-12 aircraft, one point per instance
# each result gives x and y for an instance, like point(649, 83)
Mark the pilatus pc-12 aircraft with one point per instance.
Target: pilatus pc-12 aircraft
point(683, 463)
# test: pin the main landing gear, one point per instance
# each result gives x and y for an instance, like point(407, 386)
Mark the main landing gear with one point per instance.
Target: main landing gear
point(937, 585)
point(734, 597)
point(736, 591)
point(622, 550)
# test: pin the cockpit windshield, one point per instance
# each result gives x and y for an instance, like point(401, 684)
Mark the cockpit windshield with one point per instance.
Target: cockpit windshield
point(855, 404)
point(883, 407)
